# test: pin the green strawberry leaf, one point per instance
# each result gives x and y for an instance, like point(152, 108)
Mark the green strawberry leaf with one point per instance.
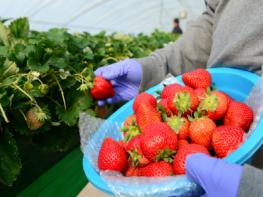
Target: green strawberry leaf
point(19, 28)
point(10, 162)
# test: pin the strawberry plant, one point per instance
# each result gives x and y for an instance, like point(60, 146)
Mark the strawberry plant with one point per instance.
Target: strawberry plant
point(45, 82)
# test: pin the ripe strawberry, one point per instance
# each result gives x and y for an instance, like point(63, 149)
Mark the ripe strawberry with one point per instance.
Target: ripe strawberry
point(135, 153)
point(146, 115)
point(130, 120)
point(182, 143)
point(122, 144)
point(184, 102)
point(226, 139)
point(170, 90)
point(183, 153)
point(239, 114)
point(200, 93)
point(201, 131)
point(158, 141)
point(164, 104)
point(35, 119)
point(144, 99)
point(101, 89)
point(130, 128)
point(199, 78)
point(112, 156)
point(229, 99)
point(160, 169)
point(215, 105)
point(132, 171)
point(180, 126)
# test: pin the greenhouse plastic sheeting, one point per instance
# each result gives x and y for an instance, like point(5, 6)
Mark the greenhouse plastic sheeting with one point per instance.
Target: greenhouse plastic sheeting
point(129, 16)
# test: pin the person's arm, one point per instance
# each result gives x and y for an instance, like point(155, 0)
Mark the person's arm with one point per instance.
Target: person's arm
point(251, 183)
point(190, 51)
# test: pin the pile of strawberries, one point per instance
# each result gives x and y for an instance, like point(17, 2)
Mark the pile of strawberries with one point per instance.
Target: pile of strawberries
point(188, 119)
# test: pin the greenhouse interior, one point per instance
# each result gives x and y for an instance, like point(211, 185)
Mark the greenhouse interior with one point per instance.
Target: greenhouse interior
point(131, 98)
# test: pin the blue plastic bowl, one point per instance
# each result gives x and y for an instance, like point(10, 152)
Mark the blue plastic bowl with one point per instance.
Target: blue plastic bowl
point(237, 83)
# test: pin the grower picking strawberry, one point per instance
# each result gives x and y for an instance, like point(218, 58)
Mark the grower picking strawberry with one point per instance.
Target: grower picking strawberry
point(201, 131)
point(158, 142)
point(102, 89)
point(226, 139)
point(199, 78)
point(239, 114)
point(183, 153)
point(112, 156)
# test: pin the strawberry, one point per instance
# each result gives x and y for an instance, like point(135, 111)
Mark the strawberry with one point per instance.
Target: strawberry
point(201, 131)
point(215, 105)
point(164, 105)
point(185, 101)
point(112, 156)
point(239, 114)
point(182, 143)
point(229, 98)
point(101, 89)
point(170, 90)
point(159, 169)
point(144, 99)
point(132, 171)
point(200, 93)
point(226, 139)
point(158, 141)
point(183, 153)
point(130, 120)
point(130, 128)
point(199, 78)
point(122, 144)
point(180, 126)
point(135, 153)
point(35, 118)
point(146, 114)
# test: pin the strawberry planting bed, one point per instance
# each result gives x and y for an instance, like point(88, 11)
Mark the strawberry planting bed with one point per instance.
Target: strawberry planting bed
point(45, 82)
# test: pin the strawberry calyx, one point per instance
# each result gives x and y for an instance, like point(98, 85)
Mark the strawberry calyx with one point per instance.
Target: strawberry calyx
point(175, 123)
point(182, 101)
point(162, 111)
point(131, 131)
point(137, 159)
point(210, 103)
point(166, 155)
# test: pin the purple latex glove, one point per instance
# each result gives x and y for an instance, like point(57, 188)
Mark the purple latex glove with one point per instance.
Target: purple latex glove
point(125, 77)
point(215, 176)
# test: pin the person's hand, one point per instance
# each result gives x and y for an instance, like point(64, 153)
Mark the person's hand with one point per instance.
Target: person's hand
point(125, 77)
point(215, 176)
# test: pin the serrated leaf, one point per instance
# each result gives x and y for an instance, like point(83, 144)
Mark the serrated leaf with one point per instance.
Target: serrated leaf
point(19, 27)
point(58, 62)
point(4, 34)
point(10, 162)
point(69, 116)
point(34, 65)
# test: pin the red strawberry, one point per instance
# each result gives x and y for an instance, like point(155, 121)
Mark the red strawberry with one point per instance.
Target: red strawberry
point(160, 169)
point(130, 120)
point(101, 89)
point(122, 144)
point(201, 131)
point(158, 141)
point(215, 105)
point(132, 171)
point(229, 99)
point(182, 143)
point(112, 156)
point(201, 93)
point(170, 90)
point(130, 128)
point(146, 115)
point(183, 153)
point(136, 156)
point(185, 101)
point(144, 99)
point(239, 114)
point(164, 104)
point(199, 78)
point(180, 126)
point(226, 139)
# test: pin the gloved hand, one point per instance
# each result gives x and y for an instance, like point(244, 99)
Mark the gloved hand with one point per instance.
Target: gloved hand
point(125, 77)
point(215, 176)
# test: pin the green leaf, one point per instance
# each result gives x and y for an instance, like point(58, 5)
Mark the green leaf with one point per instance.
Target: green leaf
point(4, 34)
point(69, 116)
point(57, 62)
point(56, 36)
point(20, 27)
point(10, 163)
point(34, 65)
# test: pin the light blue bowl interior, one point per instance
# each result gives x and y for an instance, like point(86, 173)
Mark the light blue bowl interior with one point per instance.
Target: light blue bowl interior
point(236, 83)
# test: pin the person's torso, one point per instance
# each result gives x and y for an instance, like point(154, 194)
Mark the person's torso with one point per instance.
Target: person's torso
point(238, 34)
